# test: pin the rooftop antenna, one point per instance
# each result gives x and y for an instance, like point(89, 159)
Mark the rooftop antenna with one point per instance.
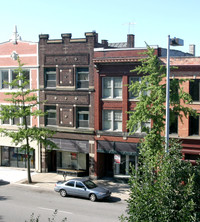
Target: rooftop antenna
point(129, 25)
point(15, 36)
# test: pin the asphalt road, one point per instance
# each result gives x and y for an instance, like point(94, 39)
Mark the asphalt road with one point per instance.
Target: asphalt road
point(18, 202)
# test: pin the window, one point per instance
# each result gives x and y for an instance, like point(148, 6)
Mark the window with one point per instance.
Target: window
point(51, 115)
point(195, 89)
point(82, 76)
point(9, 76)
point(16, 120)
point(27, 78)
point(4, 78)
point(112, 120)
point(143, 125)
point(14, 76)
point(82, 117)
point(50, 77)
point(112, 87)
point(79, 185)
point(173, 127)
point(133, 80)
point(70, 183)
point(193, 126)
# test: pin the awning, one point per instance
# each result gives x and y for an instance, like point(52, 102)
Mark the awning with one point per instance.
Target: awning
point(71, 145)
point(117, 148)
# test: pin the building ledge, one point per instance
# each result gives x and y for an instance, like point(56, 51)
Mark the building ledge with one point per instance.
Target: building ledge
point(72, 130)
point(125, 135)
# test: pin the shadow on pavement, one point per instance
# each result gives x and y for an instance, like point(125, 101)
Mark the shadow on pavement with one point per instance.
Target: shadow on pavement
point(3, 182)
point(3, 198)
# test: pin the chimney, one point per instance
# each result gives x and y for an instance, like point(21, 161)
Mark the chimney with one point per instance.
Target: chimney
point(130, 41)
point(192, 49)
point(104, 43)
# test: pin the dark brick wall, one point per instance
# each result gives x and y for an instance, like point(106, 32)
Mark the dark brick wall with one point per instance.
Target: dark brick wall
point(67, 54)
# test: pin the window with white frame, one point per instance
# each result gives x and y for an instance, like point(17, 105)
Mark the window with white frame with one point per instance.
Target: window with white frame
point(112, 120)
point(112, 87)
point(139, 128)
point(8, 75)
point(134, 79)
point(16, 121)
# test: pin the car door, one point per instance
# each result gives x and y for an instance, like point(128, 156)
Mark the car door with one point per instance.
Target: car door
point(81, 190)
point(69, 187)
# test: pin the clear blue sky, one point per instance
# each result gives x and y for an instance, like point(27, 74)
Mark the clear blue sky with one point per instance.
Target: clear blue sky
point(154, 20)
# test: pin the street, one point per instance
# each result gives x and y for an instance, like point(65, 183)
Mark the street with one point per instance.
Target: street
point(18, 202)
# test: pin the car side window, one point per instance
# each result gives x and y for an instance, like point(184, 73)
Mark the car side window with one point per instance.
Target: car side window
point(79, 185)
point(70, 184)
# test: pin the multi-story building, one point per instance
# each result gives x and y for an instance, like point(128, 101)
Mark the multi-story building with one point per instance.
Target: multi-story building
point(187, 129)
point(67, 85)
point(10, 155)
point(115, 149)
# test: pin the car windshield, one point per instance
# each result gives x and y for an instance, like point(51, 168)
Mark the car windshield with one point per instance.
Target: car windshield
point(89, 184)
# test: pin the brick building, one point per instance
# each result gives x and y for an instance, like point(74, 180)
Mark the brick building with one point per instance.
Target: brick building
point(188, 130)
point(67, 84)
point(10, 155)
point(115, 149)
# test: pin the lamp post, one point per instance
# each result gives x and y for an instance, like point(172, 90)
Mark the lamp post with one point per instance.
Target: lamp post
point(173, 42)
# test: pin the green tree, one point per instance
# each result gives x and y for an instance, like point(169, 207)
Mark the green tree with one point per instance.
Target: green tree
point(164, 188)
point(23, 104)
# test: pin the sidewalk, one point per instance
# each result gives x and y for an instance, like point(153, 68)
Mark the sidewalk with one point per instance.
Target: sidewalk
point(46, 181)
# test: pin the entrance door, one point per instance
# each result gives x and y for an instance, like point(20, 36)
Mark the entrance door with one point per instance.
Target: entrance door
point(52, 161)
point(109, 158)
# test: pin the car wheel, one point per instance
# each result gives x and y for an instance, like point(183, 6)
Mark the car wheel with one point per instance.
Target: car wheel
point(63, 193)
point(93, 197)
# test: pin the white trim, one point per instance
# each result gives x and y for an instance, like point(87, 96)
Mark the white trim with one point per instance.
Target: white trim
point(21, 55)
point(123, 49)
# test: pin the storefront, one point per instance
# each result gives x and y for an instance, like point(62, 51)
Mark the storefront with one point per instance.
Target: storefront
point(116, 158)
point(72, 154)
point(15, 157)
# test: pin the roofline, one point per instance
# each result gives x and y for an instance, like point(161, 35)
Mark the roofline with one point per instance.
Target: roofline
point(23, 41)
point(124, 49)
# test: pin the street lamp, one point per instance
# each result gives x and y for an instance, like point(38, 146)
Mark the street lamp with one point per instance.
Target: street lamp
point(173, 42)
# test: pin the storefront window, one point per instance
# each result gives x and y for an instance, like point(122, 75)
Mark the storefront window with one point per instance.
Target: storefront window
point(5, 156)
point(122, 164)
point(71, 160)
point(15, 157)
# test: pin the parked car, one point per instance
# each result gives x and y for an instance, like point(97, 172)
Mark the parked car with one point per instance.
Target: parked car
point(81, 188)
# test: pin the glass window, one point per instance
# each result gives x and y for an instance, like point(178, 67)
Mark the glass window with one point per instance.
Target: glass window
point(70, 183)
point(82, 117)
point(82, 75)
point(195, 89)
point(173, 127)
point(133, 80)
point(123, 167)
point(14, 77)
point(51, 115)
point(26, 74)
point(4, 78)
point(112, 120)
point(50, 77)
point(10, 75)
point(79, 185)
point(112, 87)
point(193, 125)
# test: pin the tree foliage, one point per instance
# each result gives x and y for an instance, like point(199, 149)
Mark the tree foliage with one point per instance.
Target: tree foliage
point(22, 104)
point(164, 188)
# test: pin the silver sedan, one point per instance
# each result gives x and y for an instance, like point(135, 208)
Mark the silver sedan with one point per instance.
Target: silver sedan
point(82, 188)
